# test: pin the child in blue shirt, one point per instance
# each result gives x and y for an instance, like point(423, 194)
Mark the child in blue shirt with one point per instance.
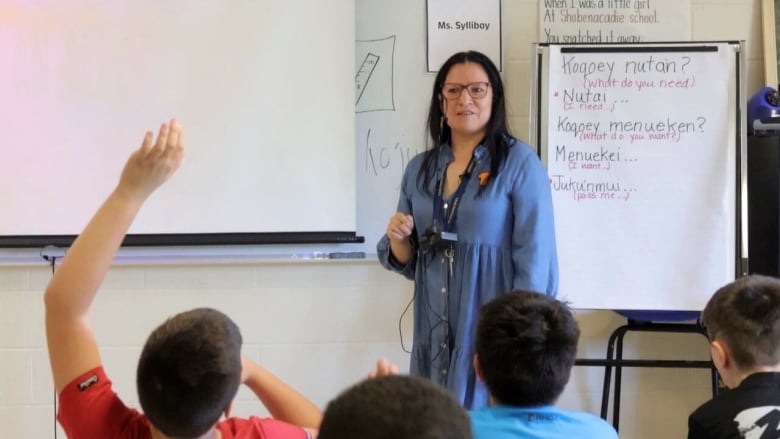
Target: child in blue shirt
point(525, 349)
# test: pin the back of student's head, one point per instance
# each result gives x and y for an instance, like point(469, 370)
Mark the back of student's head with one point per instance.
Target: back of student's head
point(395, 407)
point(745, 314)
point(189, 372)
point(526, 345)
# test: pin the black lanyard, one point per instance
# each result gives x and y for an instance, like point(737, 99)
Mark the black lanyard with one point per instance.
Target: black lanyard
point(446, 212)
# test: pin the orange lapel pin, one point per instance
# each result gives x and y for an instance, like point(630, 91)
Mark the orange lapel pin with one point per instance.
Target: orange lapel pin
point(483, 178)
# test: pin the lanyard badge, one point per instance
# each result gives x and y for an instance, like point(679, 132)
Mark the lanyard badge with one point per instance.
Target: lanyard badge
point(441, 234)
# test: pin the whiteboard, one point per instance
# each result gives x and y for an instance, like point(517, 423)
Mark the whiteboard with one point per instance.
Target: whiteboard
point(263, 88)
point(643, 145)
point(390, 115)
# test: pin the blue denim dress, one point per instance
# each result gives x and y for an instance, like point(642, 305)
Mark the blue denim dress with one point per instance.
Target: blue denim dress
point(506, 241)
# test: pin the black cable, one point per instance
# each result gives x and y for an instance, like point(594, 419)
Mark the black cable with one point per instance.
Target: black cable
point(428, 256)
point(53, 263)
point(400, 319)
point(439, 318)
point(52, 260)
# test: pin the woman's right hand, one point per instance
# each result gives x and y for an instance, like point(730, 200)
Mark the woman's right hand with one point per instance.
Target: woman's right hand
point(400, 227)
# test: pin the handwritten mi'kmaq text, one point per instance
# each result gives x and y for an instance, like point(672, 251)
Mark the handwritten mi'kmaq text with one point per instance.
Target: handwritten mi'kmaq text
point(572, 65)
point(587, 100)
point(588, 189)
point(390, 157)
point(603, 158)
point(633, 130)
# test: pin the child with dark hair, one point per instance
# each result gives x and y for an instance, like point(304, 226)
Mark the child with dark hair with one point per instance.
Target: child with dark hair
point(525, 349)
point(743, 324)
point(191, 366)
point(395, 407)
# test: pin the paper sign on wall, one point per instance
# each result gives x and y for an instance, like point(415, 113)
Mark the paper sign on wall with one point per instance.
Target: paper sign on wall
point(456, 26)
point(613, 21)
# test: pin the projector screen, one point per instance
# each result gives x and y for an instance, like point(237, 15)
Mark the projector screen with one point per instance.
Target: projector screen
point(264, 90)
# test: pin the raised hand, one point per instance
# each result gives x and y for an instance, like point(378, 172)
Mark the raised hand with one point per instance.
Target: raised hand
point(383, 368)
point(154, 162)
point(72, 344)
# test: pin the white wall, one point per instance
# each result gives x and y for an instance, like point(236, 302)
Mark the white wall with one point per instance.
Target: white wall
point(320, 325)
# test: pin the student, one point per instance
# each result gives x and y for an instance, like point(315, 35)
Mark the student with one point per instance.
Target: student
point(743, 325)
point(395, 407)
point(525, 349)
point(474, 220)
point(190, 367)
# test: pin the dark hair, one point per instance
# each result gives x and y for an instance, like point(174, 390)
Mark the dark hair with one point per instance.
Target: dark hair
point(189, 372)
point(745, 314)
point(526, 343)
point(497, 136)
point(394, 407)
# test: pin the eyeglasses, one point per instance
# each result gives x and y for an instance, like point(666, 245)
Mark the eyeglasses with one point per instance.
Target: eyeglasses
point(477, 90)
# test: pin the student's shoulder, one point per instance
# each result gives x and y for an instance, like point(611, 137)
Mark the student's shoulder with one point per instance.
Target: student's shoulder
point(483, 413)
point(89, 407)
point(706, 409)
point(90, 387)
point(594, 426)
point(728, 404)
point(260, 428)
point(730, 401)
point(575, 424)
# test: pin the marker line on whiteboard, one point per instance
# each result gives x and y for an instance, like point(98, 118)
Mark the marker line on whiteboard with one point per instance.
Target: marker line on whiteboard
point(364, 74)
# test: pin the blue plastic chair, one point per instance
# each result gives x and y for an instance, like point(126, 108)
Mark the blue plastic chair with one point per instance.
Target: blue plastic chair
point(646, 321)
